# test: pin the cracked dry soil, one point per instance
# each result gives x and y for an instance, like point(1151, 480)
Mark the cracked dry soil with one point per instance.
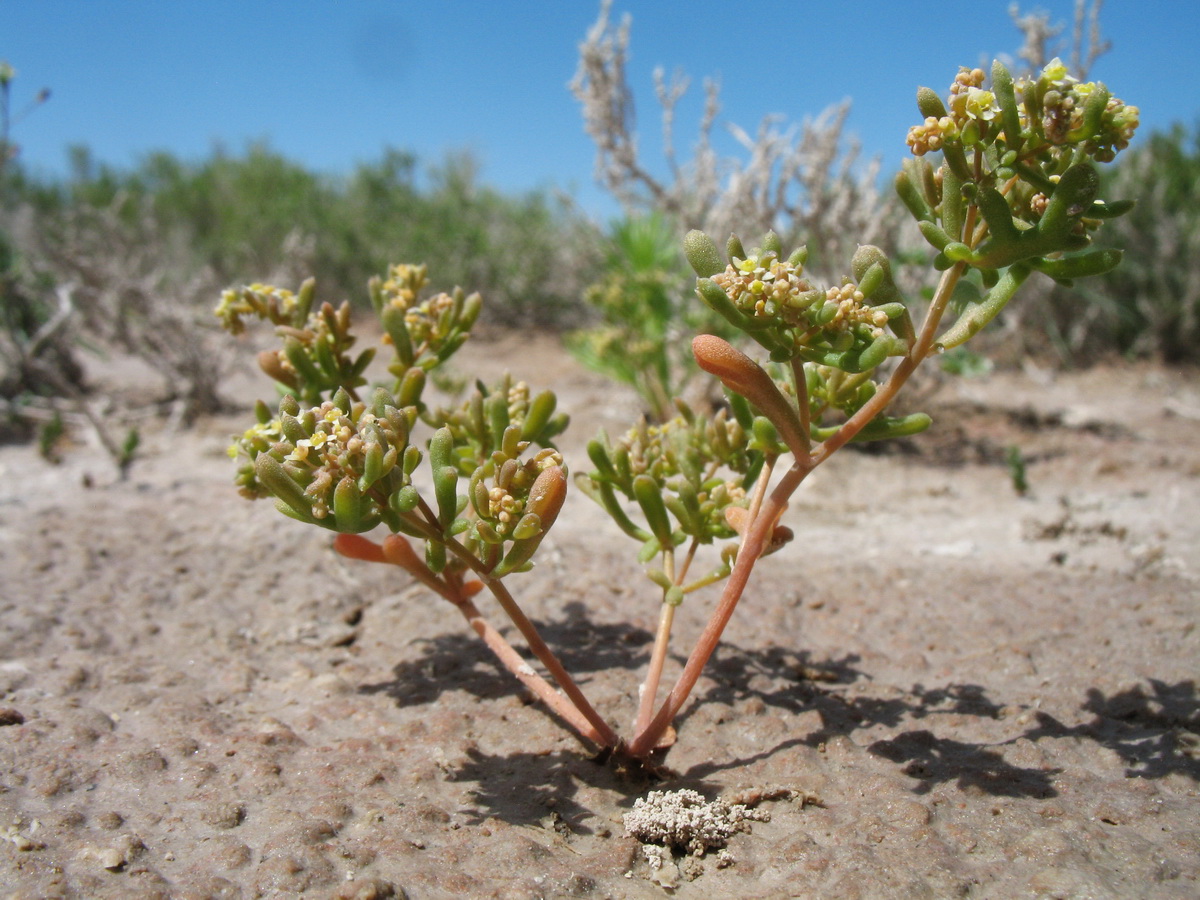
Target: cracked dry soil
point(990, 695)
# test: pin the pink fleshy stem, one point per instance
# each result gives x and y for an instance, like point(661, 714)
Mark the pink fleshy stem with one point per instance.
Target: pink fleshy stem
point(397, 551)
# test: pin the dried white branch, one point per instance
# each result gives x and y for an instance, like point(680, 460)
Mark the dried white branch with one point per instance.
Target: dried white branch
point(804, 181)
point(1039, 38)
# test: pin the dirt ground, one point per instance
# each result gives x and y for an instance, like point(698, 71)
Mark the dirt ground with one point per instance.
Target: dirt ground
point(952, 690)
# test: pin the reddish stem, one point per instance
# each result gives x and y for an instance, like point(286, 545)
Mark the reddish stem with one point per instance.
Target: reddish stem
point(762, 525)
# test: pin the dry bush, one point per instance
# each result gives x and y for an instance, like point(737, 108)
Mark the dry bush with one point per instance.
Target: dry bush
point(806, 181)
point(136, 289)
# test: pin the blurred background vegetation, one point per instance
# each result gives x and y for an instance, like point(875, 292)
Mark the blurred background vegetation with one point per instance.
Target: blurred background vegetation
point(132, 259)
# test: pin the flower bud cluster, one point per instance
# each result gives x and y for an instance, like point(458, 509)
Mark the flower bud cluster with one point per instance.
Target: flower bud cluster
point(1063, 100)
point(260, 301)
point(337, 453)
point(767, 287)
point(501, 507)
point(804, 320)
point(338, 446)
point(849, 311)
point(489, 422)
point(929, 136)
point(259, 438)
point(686, 445)
point(314, 357)
point(431, 323)
point(690, 469)
point(773, 289)
point(403, 284)
point(1052, 113)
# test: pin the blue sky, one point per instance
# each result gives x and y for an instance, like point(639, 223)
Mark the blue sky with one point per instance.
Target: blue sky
point(330, 85)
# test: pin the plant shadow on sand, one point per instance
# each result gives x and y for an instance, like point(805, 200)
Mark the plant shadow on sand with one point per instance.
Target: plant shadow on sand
point(1155, 732)
point(460, 662)
point(820, 686)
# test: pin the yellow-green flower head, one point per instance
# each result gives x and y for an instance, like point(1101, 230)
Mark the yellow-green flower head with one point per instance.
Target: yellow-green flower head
point(1056, 71)
point(981, 105)
point(404, 283)
point(932, 134)
point(1063, 100)
point(1119, 122)
point(259, 438)
point(653, 448)
point(261, 301)
point(337, 443)
point(425, 321)
point(714, 502)
point(766, 288)
point(852, 312)
point(518, 402)
point(964, 82)
point(502, 506)
point(333, 450)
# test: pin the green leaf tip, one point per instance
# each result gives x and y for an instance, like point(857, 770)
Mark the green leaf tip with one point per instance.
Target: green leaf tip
point(702, 254)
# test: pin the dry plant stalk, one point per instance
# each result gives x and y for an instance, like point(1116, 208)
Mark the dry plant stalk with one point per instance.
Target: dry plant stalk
point(804, 181)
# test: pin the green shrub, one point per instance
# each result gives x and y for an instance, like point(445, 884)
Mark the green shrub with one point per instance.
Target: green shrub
point(647, 312)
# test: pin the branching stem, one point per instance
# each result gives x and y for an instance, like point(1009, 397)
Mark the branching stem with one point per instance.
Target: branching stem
point(603, 733)
point(567, 709)
point(762, 522)
point(649, 688)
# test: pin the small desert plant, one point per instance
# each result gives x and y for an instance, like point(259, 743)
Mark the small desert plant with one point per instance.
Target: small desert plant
point(1014, 193)
point(647, 313)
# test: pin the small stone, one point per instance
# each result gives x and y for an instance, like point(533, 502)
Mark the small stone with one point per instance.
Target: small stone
point(224, 815)
point(110, 821)
point(369, 889)
point(24, 844)
point(107, 857)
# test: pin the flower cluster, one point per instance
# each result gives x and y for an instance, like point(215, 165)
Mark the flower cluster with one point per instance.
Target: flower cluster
point(403, 284)
point(259, 438)
point(435, 325)
point(260, 301)
point(682, 444)
point(481, 424)
point(792, 318)
point(767, 288)
point(1053, 110)
point(849, 311)
point(502, 507)
point(314, 356)
point(693, 467)
point(340, 464)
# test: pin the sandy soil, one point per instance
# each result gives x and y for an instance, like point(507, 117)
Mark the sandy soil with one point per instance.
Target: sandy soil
point(966, 692)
